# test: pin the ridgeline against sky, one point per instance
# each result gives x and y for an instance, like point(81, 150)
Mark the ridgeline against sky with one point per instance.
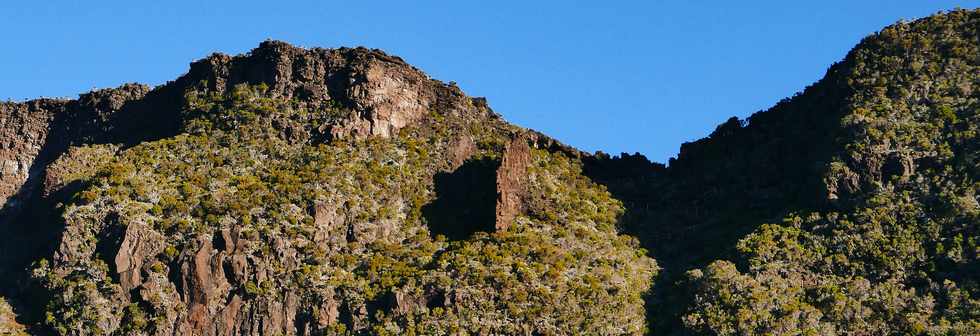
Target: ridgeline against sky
point(294, 191)
point(629, 76)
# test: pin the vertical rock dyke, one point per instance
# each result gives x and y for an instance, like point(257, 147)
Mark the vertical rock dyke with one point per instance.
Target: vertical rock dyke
point(512, 181)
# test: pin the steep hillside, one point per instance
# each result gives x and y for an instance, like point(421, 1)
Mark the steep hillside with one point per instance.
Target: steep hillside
point(850, 208)
point(293, 191)
point(8, 322)
point(343, 192)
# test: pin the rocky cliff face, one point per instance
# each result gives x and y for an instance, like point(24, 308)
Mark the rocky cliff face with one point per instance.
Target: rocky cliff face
point(341, 191)
point(383, 93)
point(295, 191)
point(511, 181)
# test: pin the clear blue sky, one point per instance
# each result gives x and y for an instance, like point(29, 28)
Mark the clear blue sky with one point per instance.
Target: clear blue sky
point(631, 76)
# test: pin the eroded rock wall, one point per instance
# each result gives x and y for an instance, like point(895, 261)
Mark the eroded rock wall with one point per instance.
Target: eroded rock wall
point(382, 94)
point(511, 181)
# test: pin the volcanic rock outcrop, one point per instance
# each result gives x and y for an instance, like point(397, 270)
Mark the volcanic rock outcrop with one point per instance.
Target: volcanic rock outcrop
point(512, 181)
point(292, 191)
point(382, 92)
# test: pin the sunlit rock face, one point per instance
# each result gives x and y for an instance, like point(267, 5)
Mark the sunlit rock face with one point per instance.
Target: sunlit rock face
point(306, 191)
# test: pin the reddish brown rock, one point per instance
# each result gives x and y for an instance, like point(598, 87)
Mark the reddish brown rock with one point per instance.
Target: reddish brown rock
point(8, 321)
point(204, 285)
point(23, 132)
point(139, 244)
point(198, 291)
point(382, 92)
point(511, 181)
point(229, 317)
point(462, 151)
point(329, 310)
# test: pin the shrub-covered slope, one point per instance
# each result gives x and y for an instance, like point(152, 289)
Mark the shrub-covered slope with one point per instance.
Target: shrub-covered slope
point(272, 215)
point(850, 208)
point(342, 191)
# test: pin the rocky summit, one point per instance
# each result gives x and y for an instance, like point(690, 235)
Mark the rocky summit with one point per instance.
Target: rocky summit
point(292, 191)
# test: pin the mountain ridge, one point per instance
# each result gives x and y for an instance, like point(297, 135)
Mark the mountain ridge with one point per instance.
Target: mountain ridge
point(849, 208)
point(883, 120)
point(133, 113)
